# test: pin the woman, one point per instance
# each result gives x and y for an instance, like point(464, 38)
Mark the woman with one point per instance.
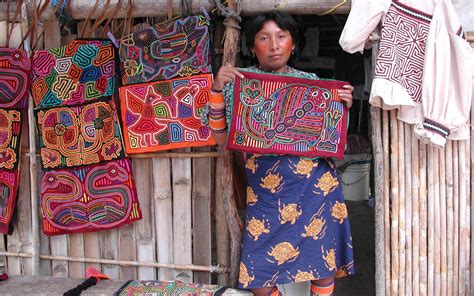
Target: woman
point(315, 244)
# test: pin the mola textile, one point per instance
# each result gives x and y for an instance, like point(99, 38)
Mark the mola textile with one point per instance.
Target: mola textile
point(14, 78)
point(276, 114)
point(164, 115)
point(10, 128)
point(77, 73)
point(91, 198)
point(174, 48)
point(79, 135)
point(168, 288)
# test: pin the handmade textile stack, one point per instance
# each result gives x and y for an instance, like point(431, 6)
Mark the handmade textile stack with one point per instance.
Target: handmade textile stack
point(171, 63)
point(423, 67)
point(88, 183)
point(14, 86)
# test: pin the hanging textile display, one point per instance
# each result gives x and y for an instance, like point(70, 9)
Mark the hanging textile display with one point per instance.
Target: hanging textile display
point(88, 184)
point(80, 72)
point(174, 48)
point(79, 135)
point(423, 66)
point(91, 198)
point(14, 78)
point(10, 128)
point(168, 288)
point(276, 114)
point(165, 114)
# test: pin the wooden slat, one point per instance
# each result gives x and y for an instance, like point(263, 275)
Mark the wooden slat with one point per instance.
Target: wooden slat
point(146, 8)
point(415, 165)
point(379, 202)
point(144, 228)
point(431, 220)
point(394, 246)
point(401, 206)
point(434, 194)
point(455, 229)
point(442, 221)
point(449, 218)
point(76, 249)
point(182, 236)
point(127, 250)
point(464, 222)
point(201, 203)
point(408, 210)
point(108, 241)
point(163, 214)
point(386, 199)
point(423, 221)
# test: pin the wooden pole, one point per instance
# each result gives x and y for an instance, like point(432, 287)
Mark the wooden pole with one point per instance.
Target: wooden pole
point(379, 202)
point(449, 218)
point(431, 217)
point(145, 8)
point(35, 228)
point(395, 203)
point(386, 199)
point(442, 221)
point(212, 268)
point(423, 222)
point(408, 211)
point(434, 194)
point(194, 154)
point(415, 156)
point(224, 163)
point(455, 229)
point(401, 206)
point(464, 222)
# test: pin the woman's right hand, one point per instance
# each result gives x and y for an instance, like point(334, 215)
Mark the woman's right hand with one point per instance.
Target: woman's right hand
point(225, 75)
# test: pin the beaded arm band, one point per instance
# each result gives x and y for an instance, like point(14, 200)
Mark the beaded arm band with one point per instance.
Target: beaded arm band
point(217, 111)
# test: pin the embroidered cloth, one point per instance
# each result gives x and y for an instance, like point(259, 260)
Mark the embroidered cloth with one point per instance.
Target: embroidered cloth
point(91, 198)
point(168, 288)
point(169, 49)
point(79, 72)
point(10, 128)
point(14, 78)
point(165, 115)
point(79, 135)
point(275, 114)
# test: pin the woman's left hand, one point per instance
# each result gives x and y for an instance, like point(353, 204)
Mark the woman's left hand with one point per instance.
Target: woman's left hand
point(346, 94)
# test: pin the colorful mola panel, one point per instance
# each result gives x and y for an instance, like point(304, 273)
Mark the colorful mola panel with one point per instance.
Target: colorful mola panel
point(91, 198)
point(10, 128)
point(174, 48)
point(79, 135)
point(275, 114)
point(80, 72)
point(165, 114)
point(14, 78)
point(145, 287)
point(8, 193)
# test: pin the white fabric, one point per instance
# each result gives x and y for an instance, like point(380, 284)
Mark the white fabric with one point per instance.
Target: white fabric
point(446, 87)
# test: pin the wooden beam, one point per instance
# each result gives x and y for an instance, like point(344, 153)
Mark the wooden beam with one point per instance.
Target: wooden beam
point(80, 9)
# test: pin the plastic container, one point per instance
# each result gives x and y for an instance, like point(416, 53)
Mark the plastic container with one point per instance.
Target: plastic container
point(355, 179)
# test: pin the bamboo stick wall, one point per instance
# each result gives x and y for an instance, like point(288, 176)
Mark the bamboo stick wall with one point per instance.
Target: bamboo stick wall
point(425, 200)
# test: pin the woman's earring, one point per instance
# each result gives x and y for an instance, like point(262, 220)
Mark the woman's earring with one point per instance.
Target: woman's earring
point(293, 52)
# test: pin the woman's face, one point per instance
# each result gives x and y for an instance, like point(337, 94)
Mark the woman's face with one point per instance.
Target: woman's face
point(273, 47)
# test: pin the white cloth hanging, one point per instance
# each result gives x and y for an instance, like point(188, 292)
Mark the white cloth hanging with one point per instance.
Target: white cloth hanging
point(423, 66)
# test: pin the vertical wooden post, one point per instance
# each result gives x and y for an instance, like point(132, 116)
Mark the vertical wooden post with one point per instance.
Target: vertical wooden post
point(224, 162)
point(415, 167)
point(386, 199)
point(408, 211)
point(378, 135)
point(201, 203)
point(395, 202)
point(401, 206)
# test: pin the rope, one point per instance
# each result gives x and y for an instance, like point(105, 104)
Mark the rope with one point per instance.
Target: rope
point(334, 8)
point(228, 14)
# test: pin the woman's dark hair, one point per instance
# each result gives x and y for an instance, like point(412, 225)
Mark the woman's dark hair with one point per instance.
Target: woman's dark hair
point(282, 19)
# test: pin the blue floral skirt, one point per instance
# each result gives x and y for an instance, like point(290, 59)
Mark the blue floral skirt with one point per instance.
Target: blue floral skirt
point(297, 227)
